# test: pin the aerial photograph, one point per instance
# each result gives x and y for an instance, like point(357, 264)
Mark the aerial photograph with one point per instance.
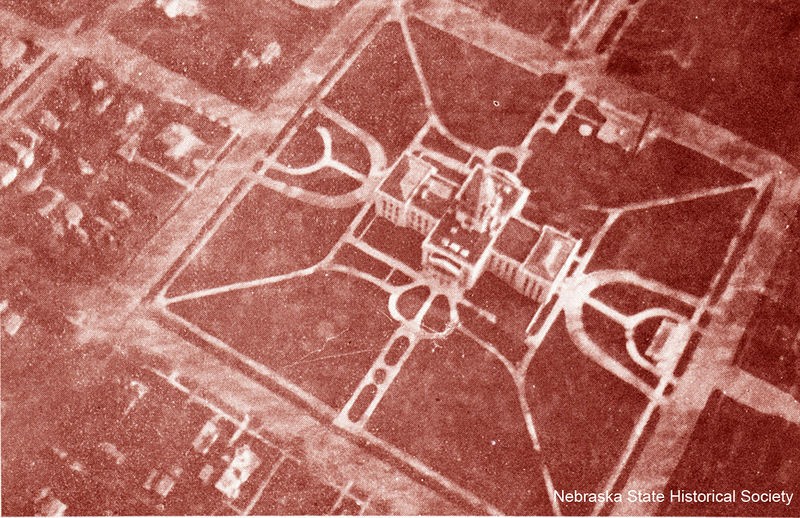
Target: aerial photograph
point(400, 257)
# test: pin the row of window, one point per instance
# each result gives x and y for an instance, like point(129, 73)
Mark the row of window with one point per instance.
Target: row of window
point(420, 222)
point(393, 211)
point(510, 271)
point(389, 210)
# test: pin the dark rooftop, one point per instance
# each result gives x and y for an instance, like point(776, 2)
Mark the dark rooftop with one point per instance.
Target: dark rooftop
point(516, 240)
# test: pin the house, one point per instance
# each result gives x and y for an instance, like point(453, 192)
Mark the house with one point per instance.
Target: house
point(206, 438)
point(8, 173)
point(243, 464)
point(48, 505)
point(176, 8)
point(179, 140)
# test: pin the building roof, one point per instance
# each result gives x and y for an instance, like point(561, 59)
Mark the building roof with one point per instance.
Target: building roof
point(455, 240)
point(243, 464)
point(455, 176)
point(488, 197)
point(406, 176)
point(483, 206)
point(179, 139)
point(550, 253)
point(435, 195)
point(516, 240)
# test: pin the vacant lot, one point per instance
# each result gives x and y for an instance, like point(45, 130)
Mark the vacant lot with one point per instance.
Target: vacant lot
point(568, 171)
point(399, 242)
point(307, 329)
point(609, 335)
point(455, 407)
point(267, 234)
point(480, 97)
point(583, 414)
point(682, 244)
point(380, 93)
point(243, 51)
point(306, 146)
point(631, 299)
point(327, 181)
point(513, 311)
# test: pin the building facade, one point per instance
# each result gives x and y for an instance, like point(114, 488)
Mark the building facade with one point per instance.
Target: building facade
point(472, 222)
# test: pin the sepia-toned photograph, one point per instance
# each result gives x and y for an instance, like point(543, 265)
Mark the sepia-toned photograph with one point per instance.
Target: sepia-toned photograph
point(400, 257)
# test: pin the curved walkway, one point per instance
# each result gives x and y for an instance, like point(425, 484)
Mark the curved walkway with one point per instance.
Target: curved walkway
point(577, 294)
